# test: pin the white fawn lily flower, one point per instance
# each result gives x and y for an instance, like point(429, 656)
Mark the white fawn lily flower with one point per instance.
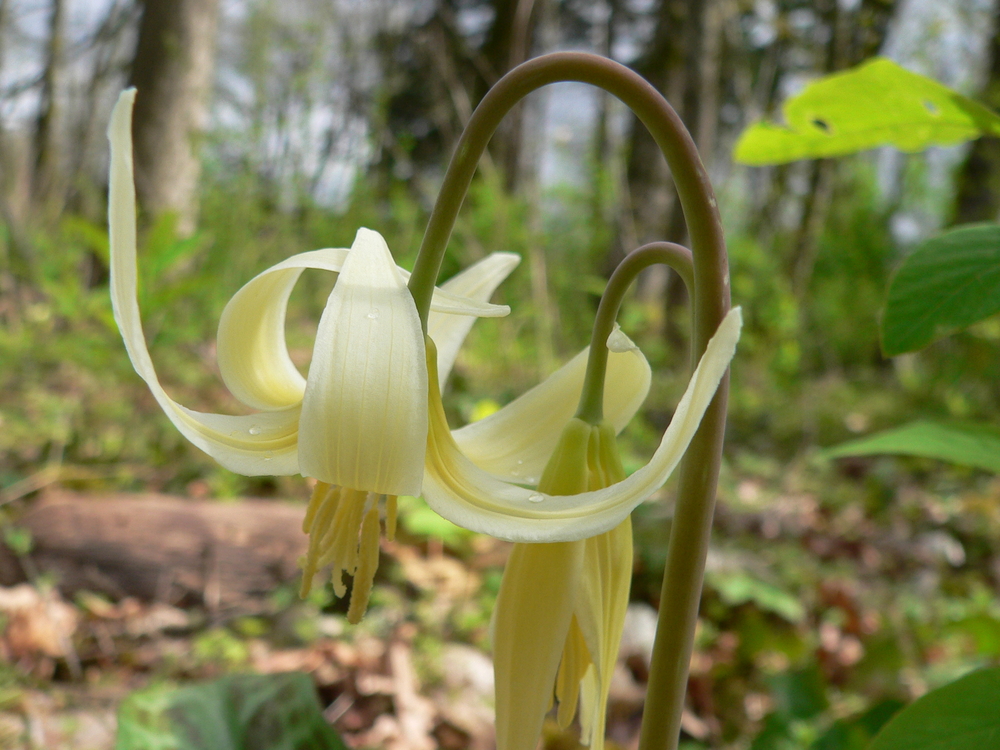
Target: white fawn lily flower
point(358, 422)
point(474, 477)
point(561, 608)
point(368, 423)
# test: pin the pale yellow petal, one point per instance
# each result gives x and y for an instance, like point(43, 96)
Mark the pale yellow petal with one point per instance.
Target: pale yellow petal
point(600, 605)
point(515, 442)
point(443, 301)
point(253, 357)
point(257, 444)
point(453, 302)
point(477, 282)
point(364, 413)
point(532, 618)
point(469, 496)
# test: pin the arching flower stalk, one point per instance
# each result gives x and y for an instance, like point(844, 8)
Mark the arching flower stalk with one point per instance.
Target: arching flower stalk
point(462, 492)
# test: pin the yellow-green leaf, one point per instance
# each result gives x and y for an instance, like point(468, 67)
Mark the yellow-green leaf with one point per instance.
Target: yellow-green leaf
point(877, 103)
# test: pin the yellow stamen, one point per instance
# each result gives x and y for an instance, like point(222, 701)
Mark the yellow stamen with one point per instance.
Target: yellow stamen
point(367, 564)
point(325, 508)
point(318, 495)
point(344, 527)
point(342, 551)
point(591, 709)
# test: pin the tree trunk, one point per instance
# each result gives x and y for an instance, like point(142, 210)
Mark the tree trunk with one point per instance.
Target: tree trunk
point(508, 45)
point(978, 194)
point(682, 62)
point(853, 38)
point(662, 64)
point(15, 186)
point(46, 178)
point(173, 71)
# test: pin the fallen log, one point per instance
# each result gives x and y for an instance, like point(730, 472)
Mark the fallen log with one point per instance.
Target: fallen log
point(226, 556)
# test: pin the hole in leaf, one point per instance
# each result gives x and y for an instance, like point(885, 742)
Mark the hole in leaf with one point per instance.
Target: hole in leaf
point(822, 125)
point(931, 107)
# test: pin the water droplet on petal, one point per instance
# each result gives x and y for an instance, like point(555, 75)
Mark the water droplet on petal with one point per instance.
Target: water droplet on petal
point(535, 497)
point(268, 456)
point(519, 462)
point(373, 313)
point(254, 430)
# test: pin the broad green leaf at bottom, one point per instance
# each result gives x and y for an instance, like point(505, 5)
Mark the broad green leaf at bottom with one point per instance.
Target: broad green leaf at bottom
point(236, 712)
point(963, 715)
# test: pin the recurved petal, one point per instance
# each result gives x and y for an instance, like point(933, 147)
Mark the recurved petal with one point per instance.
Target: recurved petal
point(515, 443)
point(450, 300)
point(469, 496)
point(533, 613)
point(477, 282)
point(253, 357)
point(364, 412)
point(259, 444)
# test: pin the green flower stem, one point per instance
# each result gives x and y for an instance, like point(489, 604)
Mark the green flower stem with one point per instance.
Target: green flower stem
point(677, 257)
point(689, 535)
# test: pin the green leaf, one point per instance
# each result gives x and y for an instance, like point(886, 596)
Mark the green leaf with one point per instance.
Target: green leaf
point(962, 715)
point(948, 283)
point(856, 732)
point(418, 519)
point(969, 445)
point(877, 103)
point(236, 712)
point(737, 588)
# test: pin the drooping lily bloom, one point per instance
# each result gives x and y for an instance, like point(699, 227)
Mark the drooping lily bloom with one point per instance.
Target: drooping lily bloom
point(358, 423)
point(475, 476)
point(561, 608)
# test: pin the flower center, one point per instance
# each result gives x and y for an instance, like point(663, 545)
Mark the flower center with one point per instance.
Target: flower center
point(343, 527)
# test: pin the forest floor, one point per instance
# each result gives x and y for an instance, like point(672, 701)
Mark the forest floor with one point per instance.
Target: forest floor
point(819, 613)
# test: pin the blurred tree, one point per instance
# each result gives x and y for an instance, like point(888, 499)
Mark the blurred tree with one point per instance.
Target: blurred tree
point(853, 36)
point(716, 57)
point(508, 45)
point(435, 73)
point(14, 264)
point(681, 60)
point(48, 168)
point(110, 47)
point(173, 72)
point(670, 61)
point(978, 182)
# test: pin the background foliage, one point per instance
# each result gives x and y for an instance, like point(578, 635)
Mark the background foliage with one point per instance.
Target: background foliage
point(838, 589)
